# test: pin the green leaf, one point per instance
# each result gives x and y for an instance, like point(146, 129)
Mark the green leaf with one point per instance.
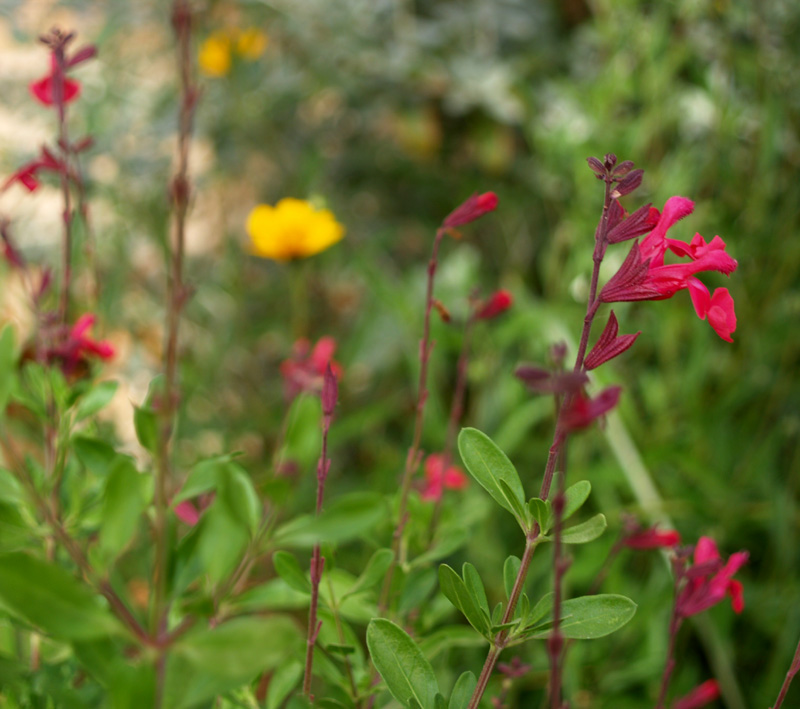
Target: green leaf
point(521, 512)
point(288, 568)
point(455, 590)
point(474, 585)
point(373, 573)
point(237, 493)
point(8, 369)
point(124, 500)
point(145, 422)
point(52, 599)
point(222, 540)
point(98, 456)
point(489, 465)
point(95, 399)
point(540, 610)
point(462, 691)
point(408, 675)
point(448, 637)
point(348, 517)
point(542, 512)
point(585, 532)
point(212, 661)
point(510, 571)
point(284, 680)
point(574, 497)
point(587, 617)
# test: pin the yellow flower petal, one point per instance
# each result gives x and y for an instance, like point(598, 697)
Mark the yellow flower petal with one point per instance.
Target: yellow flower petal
point(251, 43)
point(292, 229)
point(214, 56)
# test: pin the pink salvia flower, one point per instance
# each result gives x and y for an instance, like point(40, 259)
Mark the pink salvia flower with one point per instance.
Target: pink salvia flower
point(473, 208)
point(44, 90)
point(710, 580)
point(653, 539)
point(438, 478)
point(497, 304)
point(305, 371)
point(27, 175)
point(644, 275)
point(74, 346)
point(700, 696)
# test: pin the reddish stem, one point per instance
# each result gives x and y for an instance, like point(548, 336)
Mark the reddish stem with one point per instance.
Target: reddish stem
point(675, 622)
point(794, 668)
point(412, 458)
point(559, 438)
point(317, 561)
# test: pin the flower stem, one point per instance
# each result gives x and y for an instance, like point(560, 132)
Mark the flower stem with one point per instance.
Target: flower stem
point(794, 668)
point(317, 561)
point(176, 297)
point(669, 664)
point(556, 448)
point(412, 458)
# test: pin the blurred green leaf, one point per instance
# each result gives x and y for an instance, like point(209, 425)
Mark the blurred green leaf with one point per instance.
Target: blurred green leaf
point(125, 498)
point(408, 675)
point(462, 691)
point(346, 518)
point(51, 598)
point(585, 532)
point(95, 399)
point(510, 571)
point(289, 570)
point(8, 369)
point(574, 497)
point(206, 663)
point(373, 573)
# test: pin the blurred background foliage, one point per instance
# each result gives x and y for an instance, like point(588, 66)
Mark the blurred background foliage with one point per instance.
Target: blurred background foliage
point(391, 112)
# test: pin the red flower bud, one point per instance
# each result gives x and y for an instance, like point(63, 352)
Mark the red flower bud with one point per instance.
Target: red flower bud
point(474, 208)
point(498, 303)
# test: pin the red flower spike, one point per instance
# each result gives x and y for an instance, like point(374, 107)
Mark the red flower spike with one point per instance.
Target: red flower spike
point(700, 696)
point(597, 167)
point(82, 55)
point(74, 347)
point(653, 539)
point(473, 208)
point(718, 308)
point(437, 478)
point(583, 410)
point(498, 303)
point(710, 580)
point(616, 213)
point(609, 345)
point(630, 281)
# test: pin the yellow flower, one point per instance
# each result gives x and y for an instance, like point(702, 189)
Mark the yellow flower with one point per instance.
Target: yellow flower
point(251, 43)
point(292, 229)
point(215, 55)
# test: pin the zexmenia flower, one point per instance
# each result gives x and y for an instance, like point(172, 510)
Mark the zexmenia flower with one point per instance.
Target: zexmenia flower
point(292, 229)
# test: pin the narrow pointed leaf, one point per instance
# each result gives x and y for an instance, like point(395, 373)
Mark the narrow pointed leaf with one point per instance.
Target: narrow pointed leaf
point(510, 571)
point(374, 572)
point(474, 585)
point(585, 532)
point(588, 617)
point(455, 590)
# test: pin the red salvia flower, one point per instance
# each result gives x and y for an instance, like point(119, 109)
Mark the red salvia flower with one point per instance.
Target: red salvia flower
point(44, 90)
point(73, 347)
point(27, 175)
point(710, 580)
point(305, 371)
point(652, 538)
point(700, 696)
point(645, 276)
point(438, 478)
point(473, 208)
point(497, 304)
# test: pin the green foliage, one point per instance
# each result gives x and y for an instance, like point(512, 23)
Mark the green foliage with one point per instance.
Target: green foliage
point(408, 675)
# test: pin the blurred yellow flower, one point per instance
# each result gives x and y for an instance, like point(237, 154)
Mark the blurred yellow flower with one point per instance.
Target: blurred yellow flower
point(251, 43)
point(292, 229)
point(214, 57)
